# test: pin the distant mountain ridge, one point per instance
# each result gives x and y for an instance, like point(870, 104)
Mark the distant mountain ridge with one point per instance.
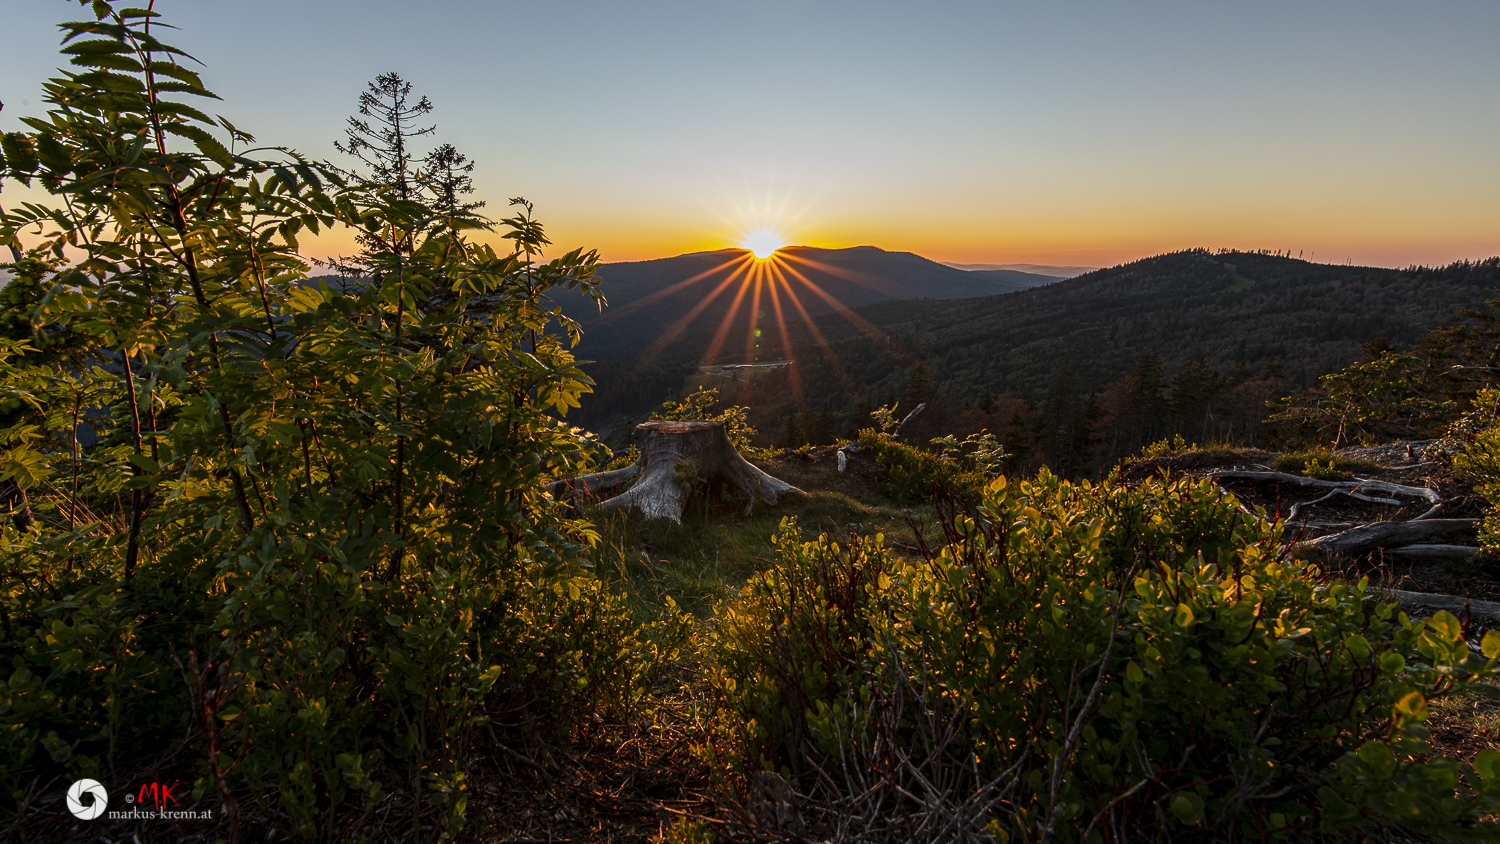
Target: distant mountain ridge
point(650, 298)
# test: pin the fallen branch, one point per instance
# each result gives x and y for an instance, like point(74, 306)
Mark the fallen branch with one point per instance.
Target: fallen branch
point(1487, 612)
point(1435, 510)
point(1430, 553)
point(1367, 538)
point(1296, 508)
point(910, 416)
point(1356, 485)
point(1322, 528)
point(1306, 531)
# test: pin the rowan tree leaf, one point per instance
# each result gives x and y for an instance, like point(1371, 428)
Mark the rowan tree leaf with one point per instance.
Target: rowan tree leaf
point(20, 153)
point(205, 142)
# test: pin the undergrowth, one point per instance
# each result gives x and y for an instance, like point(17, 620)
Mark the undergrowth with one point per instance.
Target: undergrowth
point(1324, 464)
point(1080, 662)
point(717, 548)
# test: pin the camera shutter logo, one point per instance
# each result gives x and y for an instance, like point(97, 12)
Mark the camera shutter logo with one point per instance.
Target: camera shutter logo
point(99, 798)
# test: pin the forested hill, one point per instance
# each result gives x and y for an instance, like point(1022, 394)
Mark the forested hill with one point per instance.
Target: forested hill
point(1234, 310)
point(1227, 309)
point(647, 298)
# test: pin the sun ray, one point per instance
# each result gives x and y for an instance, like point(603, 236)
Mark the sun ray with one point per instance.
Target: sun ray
point(750, 335)
point(847, 275)
point(819, 339)
point(843, 310)
point(683, 322)
point(755, 279)
point(755, 282)
point(723, 333)
point(615, 313)
point(793, 374)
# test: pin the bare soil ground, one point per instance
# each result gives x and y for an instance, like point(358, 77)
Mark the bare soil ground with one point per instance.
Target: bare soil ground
point(818, 468)
point(615, 783)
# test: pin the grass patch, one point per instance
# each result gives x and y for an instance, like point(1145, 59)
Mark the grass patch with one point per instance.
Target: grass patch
point(718, 547)
point(1477, 714)
point(1322, 463)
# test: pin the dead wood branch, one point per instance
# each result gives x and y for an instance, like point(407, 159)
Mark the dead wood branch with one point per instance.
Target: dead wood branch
point(1362, 485)
point(1485, 612)
point(1297, 508)
point(1429, 553)
point(595, 484)
point(1367, 538)
point(910, 416)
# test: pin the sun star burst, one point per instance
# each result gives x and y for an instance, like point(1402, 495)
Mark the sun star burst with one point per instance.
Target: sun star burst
point(763, 243)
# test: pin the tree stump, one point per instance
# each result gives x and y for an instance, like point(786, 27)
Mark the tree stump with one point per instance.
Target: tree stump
point(673, 455)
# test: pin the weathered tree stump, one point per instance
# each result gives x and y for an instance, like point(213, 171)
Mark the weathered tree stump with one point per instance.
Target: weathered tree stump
point(673, 455)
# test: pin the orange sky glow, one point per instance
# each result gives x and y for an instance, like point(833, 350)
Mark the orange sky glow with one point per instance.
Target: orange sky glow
point(967, 132)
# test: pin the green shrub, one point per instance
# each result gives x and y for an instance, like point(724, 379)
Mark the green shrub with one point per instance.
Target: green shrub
point(1082, 661)
point(913, 476)
point(980, 452)
point(1324, 464)
point(954, 467)
point(1163, 448)
point(1478, 435)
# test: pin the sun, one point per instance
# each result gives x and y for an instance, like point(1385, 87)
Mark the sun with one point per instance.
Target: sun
point(763, 243)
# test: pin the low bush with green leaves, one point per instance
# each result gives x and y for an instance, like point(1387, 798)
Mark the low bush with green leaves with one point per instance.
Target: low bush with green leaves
point(1324, 464)
point(912, 475)
point(1477, 436)
point(1080, 662)
point(953, 467)
point(1165, 447)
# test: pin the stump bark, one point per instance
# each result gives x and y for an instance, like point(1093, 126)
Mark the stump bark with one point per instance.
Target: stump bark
point(673, 456)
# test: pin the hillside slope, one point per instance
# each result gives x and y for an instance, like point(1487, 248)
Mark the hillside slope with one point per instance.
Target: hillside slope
point(1228, 309)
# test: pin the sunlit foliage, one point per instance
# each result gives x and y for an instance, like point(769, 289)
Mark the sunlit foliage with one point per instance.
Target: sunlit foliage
point(1083, 662)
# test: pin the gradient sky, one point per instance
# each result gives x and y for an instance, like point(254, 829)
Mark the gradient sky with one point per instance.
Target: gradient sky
point(1061, 133)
